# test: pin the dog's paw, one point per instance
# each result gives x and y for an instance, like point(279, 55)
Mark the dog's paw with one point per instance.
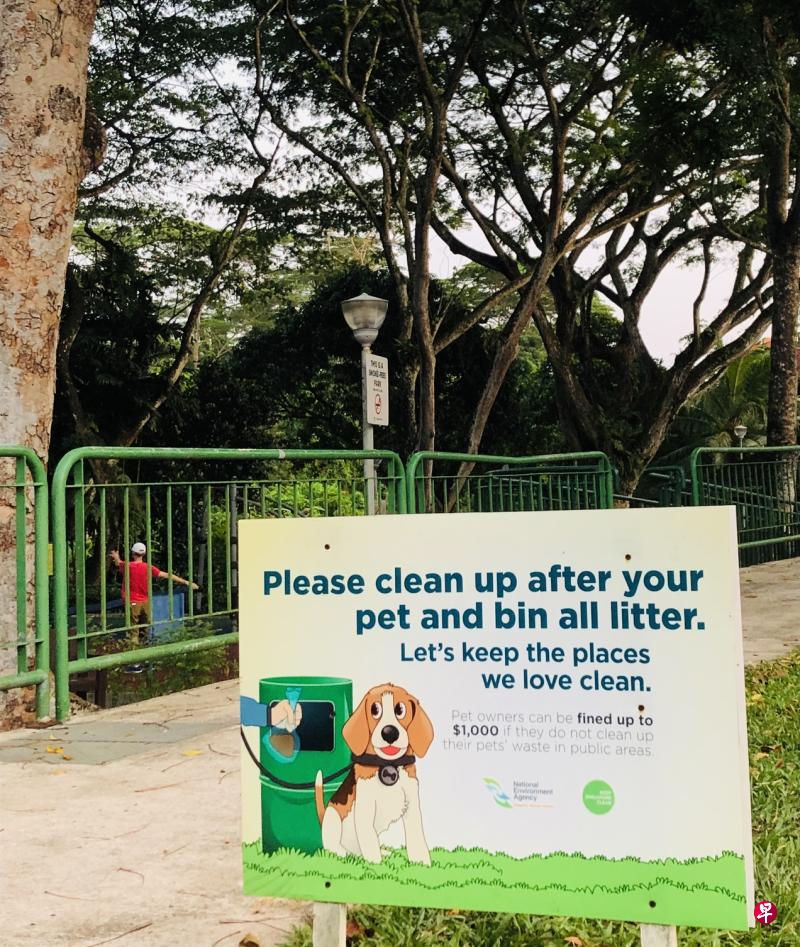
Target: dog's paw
point(421, 858)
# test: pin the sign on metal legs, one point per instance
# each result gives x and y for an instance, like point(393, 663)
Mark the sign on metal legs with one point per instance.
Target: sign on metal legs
point(523, 712)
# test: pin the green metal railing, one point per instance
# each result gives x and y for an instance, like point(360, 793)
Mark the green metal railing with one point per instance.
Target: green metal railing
point(663, 486)
point(185, 506)
point(28, 487)
point(762, 483)
point(503, 484)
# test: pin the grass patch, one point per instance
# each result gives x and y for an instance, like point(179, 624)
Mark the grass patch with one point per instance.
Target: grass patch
point(773, 698)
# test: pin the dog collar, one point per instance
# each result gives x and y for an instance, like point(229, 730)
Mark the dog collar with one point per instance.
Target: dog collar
point(388, 773)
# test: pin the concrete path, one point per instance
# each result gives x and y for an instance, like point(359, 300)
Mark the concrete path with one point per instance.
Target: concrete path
point(123, 827)
point(770, 609)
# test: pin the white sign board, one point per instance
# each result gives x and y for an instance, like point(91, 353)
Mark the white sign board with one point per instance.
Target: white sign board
point(539, 712)
point(376, 388)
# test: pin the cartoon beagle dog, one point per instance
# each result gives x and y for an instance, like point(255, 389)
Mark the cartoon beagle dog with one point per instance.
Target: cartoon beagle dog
point(385, 733)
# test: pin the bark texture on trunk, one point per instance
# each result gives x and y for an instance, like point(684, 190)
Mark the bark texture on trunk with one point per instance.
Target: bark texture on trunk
point(782, 409)
point(44, 49)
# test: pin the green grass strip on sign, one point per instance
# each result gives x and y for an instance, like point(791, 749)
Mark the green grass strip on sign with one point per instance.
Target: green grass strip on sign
point(701, 891)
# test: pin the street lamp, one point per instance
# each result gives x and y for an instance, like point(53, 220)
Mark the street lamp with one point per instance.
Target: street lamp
point(364, 314)
point(739, 431)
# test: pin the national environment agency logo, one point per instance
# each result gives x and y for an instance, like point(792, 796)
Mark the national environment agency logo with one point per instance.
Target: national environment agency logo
point(525, 794)
point(498, 793)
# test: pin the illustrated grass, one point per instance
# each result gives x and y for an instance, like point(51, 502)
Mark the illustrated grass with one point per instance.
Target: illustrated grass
point(546, 884)
point(773, 699)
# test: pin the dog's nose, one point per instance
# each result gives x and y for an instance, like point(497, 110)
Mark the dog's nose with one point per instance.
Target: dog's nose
point(390, 733)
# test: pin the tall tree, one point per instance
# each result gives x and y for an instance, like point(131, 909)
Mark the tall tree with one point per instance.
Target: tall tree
point(45, 153)
point(531, 140)
point(606, 168)
point(754, 48)
point(171, 157)
point(44, 47)
point(269, 388)
point(363, 93)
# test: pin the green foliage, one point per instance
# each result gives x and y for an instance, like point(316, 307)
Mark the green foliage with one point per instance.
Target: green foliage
point(176, 673)
point(297, 383)
point(739, 396)
point(115, 357)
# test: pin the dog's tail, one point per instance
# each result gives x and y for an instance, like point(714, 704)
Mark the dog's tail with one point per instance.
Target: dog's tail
point(319, 799)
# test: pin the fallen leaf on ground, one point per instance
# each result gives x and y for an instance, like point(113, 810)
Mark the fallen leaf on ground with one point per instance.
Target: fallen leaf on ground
point(573, 941)
point(192, 753)
point(249, 940)
point(354, 929)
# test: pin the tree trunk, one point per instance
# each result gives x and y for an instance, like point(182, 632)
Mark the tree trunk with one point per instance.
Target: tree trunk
point(44, 49)
point(782, 406)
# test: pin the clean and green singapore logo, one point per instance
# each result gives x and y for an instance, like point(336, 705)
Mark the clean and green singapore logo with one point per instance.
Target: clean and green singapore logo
point(598, 797)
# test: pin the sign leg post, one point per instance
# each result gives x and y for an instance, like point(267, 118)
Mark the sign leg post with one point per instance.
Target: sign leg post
point(329, 925)
point(330, 920)
point(658, 935)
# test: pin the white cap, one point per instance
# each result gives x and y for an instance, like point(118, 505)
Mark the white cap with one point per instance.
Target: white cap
point(138, 549)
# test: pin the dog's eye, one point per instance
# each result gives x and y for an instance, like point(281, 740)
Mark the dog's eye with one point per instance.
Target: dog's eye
point(400, 710)
point(376, 710)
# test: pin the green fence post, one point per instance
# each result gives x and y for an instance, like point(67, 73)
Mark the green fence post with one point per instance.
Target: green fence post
point(411, 474)
point(20, 542)
point(60, 566)
point(26, 461)
point(694, 475)
point(79, 558)
point(41, 515)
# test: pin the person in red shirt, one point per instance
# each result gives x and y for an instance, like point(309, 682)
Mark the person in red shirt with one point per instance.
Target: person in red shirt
point(138, 570)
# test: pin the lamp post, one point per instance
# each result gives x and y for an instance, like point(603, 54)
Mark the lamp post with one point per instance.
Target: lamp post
point(364, 314)
point(739, 431)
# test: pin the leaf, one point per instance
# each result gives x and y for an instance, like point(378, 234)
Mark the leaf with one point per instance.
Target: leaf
point(250, 940)
point(55, 749)
point(574, 941)
point(192, 752)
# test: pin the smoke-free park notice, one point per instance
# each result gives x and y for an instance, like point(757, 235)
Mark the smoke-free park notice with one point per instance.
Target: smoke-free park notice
point(538, 712)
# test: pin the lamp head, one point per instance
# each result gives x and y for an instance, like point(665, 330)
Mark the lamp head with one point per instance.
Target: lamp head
point(365, 314)
point(740, 430)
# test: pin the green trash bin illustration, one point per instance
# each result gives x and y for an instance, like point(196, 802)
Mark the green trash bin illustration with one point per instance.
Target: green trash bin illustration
point(289, 760)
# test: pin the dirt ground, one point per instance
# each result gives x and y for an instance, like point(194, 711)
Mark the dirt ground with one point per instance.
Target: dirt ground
point(123, 827)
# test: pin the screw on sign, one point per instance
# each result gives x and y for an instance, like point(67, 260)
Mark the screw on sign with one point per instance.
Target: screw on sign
point(765, 912)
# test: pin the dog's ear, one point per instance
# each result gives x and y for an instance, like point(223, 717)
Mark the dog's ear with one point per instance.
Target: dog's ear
point(357, 731)
point(420, 731)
